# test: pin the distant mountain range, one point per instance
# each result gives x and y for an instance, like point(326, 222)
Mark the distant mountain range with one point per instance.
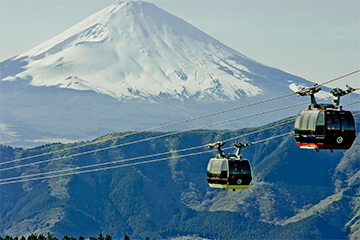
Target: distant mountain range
point(295, 193)
point(127, 67)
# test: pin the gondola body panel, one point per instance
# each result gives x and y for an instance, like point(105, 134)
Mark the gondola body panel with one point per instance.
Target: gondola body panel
point(324, 129)
point(229, 173)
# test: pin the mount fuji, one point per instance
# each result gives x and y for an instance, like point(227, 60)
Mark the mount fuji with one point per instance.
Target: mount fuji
point(129, 67)
point(136, 50)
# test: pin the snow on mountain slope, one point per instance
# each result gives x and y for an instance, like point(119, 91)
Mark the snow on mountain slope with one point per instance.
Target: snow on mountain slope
point(136, 50)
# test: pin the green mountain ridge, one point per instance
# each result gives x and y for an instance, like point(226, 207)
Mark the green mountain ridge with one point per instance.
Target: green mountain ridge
point(295, 194)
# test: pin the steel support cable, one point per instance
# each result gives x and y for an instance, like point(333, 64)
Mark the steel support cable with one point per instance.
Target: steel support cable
point(159, 154)
point(152, 138)
point(269, 138)
point(358, 101)
point(175, 123)
point(172, 124)
point(335, 79)
point(157, 160)
point(129, 164)
point(291, 120)
point(150, 129)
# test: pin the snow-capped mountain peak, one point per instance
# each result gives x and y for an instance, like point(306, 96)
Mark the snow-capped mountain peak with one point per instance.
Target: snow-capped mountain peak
point(136, 50)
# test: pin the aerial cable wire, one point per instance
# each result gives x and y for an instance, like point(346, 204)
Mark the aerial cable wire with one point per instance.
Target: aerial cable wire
point(150, 129)
point(151, 161)
point(345, 105)
point(335, 79)
point(291, 120)
point(174, 123)
point(102, 149)
point(152, 138)
point(129, 164)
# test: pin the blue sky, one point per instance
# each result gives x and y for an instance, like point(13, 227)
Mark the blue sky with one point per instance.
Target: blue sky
point(316, 40)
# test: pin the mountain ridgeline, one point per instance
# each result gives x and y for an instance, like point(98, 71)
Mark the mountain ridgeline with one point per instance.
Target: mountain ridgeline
point(295, 193)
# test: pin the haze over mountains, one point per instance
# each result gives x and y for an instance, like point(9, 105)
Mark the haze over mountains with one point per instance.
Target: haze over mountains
point(130, 66)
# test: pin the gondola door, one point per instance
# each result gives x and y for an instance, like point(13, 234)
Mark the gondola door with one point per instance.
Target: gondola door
point(239, 174)
point(340, 130)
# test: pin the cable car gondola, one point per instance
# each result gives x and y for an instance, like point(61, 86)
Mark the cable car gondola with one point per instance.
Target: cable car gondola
point(228, 171)
point(324, 126)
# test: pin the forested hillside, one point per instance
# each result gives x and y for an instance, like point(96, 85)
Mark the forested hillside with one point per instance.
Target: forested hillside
point(295, 193)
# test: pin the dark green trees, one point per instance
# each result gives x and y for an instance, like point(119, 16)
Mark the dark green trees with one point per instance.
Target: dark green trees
point(33, 236)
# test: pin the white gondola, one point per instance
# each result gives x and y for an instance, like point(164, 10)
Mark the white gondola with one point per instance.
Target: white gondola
point(229, 171)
